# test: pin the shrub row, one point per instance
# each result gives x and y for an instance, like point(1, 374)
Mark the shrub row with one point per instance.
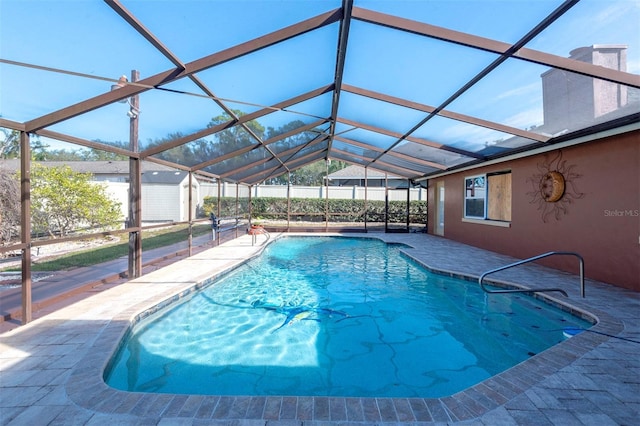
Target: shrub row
point(312, 209)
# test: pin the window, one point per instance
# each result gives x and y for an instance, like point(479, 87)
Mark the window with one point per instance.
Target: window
point(499, 196)
point(488, 197)
point(474, 197)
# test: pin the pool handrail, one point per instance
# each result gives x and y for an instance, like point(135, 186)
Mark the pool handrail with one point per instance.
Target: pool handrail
point(254, 232)
point(531, 259)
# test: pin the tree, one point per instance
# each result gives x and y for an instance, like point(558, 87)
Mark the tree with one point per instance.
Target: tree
point(9, 207)
point(313, 174)
point(219, 144)
point(63, 155)
point(89, 154)
point(93, 154)
point(231, 139)
point(235, 138)
point(10, 145)
point(187, 154)
point(236, 135)
point(63, 200)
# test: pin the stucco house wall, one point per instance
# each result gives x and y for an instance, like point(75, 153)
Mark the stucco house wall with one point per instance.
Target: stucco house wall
point(597, 217)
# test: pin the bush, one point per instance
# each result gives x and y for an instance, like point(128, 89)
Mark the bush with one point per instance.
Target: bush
point(63, 200)
point(9, 208)
point(313, 209)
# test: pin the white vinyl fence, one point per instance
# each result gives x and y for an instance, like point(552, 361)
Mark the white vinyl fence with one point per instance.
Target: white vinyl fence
point(119, 192)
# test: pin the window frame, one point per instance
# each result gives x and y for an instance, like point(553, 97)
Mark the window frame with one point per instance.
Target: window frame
point(485, 198)
point(473, 178)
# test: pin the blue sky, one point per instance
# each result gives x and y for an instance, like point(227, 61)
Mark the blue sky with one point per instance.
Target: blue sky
point(90, 38)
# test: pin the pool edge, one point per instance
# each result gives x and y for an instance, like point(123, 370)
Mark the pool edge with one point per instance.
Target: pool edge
point(470, 403)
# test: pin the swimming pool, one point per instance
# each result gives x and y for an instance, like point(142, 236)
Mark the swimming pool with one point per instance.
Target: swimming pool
point(334, 316)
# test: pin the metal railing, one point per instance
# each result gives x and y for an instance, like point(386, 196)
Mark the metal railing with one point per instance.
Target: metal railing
point(531, 259)
point(254, 232)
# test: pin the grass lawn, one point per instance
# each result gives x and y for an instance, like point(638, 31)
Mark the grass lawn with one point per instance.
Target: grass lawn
point(150, 239)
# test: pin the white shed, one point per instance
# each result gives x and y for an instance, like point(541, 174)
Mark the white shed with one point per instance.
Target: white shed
point(165, 196)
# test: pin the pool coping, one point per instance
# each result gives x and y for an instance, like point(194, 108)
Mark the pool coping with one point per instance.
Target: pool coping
point(86, 388)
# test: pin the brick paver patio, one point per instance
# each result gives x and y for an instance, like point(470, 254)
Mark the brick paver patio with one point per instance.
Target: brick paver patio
point(51, 369)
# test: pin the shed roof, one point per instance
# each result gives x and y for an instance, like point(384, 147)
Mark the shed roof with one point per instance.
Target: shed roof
point(246, 90)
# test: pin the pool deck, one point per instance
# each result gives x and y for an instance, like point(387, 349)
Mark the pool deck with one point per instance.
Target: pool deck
point(51, 369)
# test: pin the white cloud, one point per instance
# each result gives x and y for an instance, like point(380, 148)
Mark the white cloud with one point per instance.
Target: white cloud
point(525, 119)
point(615, 12)
point(520, 91)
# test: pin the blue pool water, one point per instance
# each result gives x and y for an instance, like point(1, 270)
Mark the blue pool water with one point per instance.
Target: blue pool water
point(322, 316)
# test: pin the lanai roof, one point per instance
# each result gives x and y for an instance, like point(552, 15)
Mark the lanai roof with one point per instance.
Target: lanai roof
point(358, 172)
point(93, 167)
point(411, 88)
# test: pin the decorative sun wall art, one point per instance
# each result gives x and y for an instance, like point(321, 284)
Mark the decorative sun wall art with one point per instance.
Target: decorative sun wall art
point(554, 188)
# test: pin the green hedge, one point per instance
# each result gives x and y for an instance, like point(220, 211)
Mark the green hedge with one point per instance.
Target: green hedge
point(312, 209)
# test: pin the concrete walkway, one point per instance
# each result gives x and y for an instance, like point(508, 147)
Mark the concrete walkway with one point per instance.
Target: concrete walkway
point(58, 286)
point(51, 369)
